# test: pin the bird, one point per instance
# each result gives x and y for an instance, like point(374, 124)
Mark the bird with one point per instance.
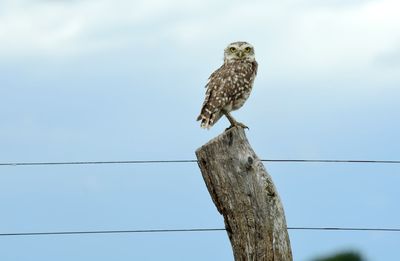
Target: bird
point(230, 85)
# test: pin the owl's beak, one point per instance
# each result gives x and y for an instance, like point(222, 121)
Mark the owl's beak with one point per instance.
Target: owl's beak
point(240, 54)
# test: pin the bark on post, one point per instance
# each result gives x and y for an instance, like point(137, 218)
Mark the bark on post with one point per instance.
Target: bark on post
point(245, 195)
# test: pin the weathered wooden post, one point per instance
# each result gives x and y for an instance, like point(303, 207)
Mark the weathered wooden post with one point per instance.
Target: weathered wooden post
point(245, 195)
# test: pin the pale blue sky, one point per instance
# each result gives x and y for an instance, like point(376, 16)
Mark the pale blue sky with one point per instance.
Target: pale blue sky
point(123, 80)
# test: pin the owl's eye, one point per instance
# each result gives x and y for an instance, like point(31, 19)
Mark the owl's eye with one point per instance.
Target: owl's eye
point(247, 49)
point(232, 49)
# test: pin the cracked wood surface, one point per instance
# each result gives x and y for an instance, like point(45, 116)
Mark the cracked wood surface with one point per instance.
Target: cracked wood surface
point(245, 195)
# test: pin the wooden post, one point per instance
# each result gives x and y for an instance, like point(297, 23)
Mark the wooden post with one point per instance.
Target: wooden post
point(245, 195)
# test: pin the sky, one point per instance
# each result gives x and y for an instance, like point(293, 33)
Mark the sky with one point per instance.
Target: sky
point(124, 80)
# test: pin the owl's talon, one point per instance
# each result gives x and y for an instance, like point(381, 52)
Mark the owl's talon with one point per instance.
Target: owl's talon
point(242, 125)
point(230, 127)
point(237, 124)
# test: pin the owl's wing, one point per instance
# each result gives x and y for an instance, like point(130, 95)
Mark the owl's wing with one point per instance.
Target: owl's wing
point(215, 98)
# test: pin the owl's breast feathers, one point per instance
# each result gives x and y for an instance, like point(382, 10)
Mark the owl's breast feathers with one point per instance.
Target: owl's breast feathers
point(227, 89)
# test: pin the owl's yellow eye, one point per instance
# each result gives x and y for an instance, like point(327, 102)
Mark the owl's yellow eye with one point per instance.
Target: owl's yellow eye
point(232, 49)
point(247, 49)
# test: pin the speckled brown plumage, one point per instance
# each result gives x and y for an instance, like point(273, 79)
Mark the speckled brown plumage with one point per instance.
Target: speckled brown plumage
point(229, 86)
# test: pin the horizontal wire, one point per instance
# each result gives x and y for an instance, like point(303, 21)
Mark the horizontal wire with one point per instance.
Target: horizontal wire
point(190, 230)
point(347, 229)
point(95, 162)
point(192, 161)
point(334, 161)
point(112, 232)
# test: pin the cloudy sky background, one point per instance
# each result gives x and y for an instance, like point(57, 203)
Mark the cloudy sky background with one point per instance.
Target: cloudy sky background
point(123, 80)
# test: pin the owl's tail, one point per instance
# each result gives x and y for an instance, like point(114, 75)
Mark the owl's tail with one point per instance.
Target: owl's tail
point(206, 122)
point(208, 118)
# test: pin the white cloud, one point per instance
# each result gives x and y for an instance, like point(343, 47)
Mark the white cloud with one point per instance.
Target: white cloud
point(298, 36)
point(389, 58)
point(289, 35)
point(43, 28)
point(65, 27)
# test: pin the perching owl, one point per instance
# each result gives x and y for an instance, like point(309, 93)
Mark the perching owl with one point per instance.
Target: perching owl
point(229, 86)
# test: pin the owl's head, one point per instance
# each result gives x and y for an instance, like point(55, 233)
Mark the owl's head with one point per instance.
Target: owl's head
point(239, 51)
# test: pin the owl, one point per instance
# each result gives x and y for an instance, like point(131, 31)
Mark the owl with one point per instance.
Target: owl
point(230, 85)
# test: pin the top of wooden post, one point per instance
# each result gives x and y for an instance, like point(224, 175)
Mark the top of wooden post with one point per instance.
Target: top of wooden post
point(245, 195)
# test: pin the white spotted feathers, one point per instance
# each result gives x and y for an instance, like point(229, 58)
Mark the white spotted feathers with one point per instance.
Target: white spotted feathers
point(229, 86)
